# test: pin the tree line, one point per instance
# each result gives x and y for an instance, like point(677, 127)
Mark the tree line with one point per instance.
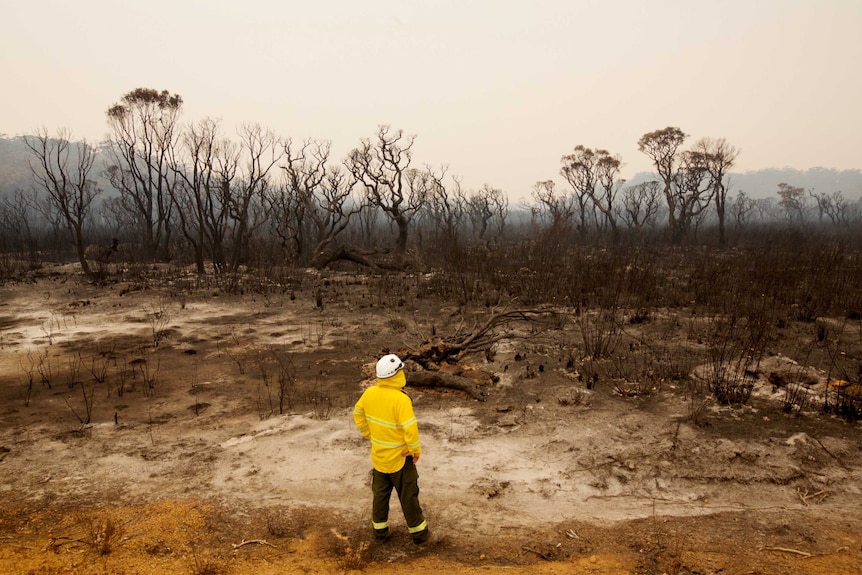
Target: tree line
point(193, 193)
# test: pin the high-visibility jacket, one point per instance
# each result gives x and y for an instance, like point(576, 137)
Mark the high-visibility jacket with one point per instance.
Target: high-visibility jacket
point(384, 414)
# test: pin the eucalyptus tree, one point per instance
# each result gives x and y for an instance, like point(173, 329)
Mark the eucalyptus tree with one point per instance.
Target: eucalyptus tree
point(834, 206)
point(382, 166)
point(445, 208)
point(259, 152)
point(692, 193)
point(204, 164)
point(663, 148)
point(557, 207)
point(315, 202)
point(692, 180)
point(767, 210)
point(485, 207)
point(742, 208)
point(144, 127)
point(604, 197)
point(580, 170)
point(221, 189)
point(717, 156)
point(62, 169)
point(793, 203)
point(640, 205)
point(16, 226)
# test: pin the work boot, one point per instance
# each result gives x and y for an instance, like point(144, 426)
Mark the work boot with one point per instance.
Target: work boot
point(433, 538)
point(382, 535)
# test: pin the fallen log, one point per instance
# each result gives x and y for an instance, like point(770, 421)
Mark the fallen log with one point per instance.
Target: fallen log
point(447, 380)
point(374, 259)
point(496, 328)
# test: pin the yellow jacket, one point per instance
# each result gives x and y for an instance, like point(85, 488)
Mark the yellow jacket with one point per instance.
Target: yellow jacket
point(384, 414)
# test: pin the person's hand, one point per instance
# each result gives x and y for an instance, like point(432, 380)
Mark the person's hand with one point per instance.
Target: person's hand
point(415, 459)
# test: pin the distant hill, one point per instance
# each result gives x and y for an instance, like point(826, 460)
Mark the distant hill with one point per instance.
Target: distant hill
point(14, 166)
point(764, 183)
point(15, 158)
point(15, 174)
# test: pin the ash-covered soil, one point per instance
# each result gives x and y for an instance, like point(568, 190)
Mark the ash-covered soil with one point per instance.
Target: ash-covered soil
point(178, 428)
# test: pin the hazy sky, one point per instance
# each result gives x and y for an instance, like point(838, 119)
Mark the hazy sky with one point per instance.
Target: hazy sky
point(497, 90)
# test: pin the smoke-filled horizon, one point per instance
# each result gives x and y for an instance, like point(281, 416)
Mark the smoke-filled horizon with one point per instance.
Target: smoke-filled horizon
point(497, 92)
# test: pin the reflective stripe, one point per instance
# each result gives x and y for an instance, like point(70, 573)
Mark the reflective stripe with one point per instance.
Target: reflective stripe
point(421, 527)
point(385, 444)
point(383, 525)
point(413, 445)
point(382, 422)
point(389, 424)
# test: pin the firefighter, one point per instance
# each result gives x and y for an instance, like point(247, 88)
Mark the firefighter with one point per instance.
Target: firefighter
point(384, 414)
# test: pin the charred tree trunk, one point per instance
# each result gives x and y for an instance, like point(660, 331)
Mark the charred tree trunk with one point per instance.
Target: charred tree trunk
point(451, 349)
point(447, 380)
point(374, 259)
point(437, 357)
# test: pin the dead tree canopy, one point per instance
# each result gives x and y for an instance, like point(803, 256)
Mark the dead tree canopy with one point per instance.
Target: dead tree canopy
point(439, 359)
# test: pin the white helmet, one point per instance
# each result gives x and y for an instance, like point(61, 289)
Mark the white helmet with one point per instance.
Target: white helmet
point(388, 366)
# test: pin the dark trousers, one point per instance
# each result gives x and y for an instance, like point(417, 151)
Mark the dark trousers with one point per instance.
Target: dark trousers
point(406, 484)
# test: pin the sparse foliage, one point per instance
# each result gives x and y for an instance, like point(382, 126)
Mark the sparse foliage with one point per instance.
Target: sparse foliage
point(717, 157)
point(144, 132)
point(792, 203)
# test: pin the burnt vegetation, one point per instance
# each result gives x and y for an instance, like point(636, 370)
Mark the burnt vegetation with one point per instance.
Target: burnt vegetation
point(191, 208)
